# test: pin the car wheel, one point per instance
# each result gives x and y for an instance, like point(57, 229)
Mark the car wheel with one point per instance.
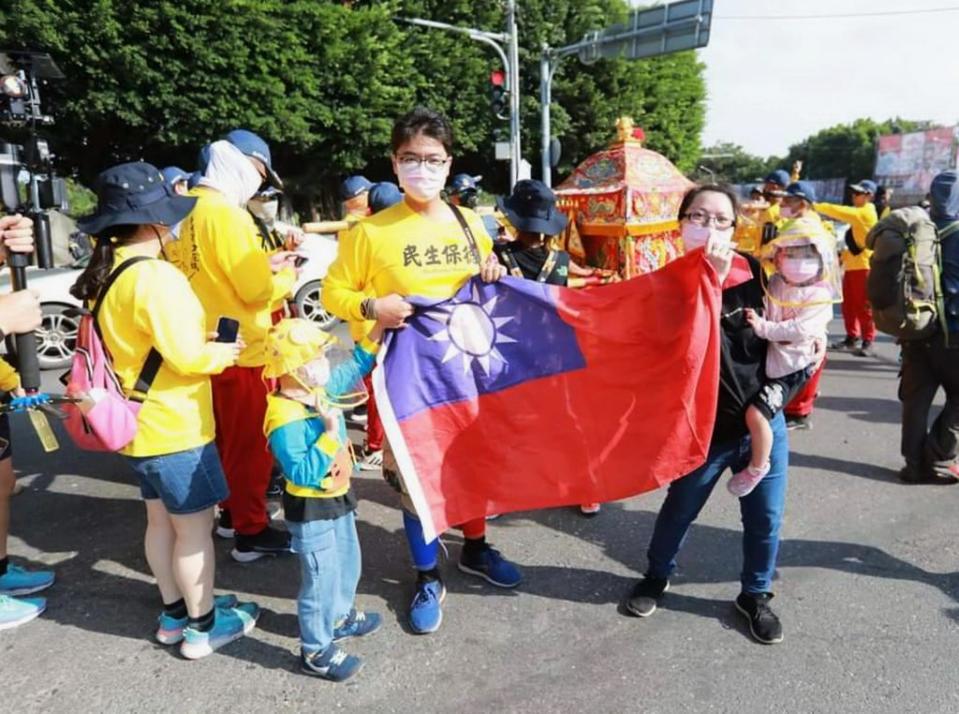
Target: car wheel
point(57, 336)
point(309, 304)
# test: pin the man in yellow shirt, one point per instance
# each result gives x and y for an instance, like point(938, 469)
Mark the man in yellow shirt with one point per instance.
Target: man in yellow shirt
point(418, 247)
point(221, 253)
point(856, 312)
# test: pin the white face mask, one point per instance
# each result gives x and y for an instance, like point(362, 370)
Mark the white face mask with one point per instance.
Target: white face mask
point(420, 183)
point(315, 374)
point(265, 210)
point(695, 237)
point(799, 271)
point(787, 211)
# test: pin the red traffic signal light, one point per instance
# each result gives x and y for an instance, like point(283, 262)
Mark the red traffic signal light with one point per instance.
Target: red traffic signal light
point(498, 94)
point(497, 78)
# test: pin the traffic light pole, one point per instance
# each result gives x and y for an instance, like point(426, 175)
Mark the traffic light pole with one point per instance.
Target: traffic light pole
point(510, 59)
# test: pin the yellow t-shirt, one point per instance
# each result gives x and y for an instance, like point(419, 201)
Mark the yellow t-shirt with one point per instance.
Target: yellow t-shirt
point(151, 305)
point(399, 251)
point(221, 254)
point(9, 379)
point(860, 220)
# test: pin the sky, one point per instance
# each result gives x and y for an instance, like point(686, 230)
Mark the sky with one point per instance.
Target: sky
point(771, 83)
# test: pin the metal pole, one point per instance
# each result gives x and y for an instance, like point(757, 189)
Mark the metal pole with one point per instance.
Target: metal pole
point(545, 97)
point(512, 69)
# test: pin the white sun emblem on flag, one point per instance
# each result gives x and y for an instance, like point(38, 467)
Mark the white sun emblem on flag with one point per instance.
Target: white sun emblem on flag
point(471, 331)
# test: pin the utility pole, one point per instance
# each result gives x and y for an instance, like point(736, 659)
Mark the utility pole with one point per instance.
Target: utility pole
point(510, 58)
point(654, 31)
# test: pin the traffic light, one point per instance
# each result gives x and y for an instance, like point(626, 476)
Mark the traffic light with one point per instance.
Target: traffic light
point(499, 97)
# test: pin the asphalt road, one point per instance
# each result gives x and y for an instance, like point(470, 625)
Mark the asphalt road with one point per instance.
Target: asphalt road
point(867, 590)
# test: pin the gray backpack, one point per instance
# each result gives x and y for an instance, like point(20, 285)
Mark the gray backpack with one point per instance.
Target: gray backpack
point(904, 285)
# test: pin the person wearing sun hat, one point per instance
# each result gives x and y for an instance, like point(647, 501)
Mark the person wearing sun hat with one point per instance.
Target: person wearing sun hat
point(148, 315)
point(306, 432)
point(531, 210)
point(221, 253)
point(856, 311)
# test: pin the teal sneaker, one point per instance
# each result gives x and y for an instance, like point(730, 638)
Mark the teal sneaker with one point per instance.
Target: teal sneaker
point(358, 624)
point(170, 629)
point(16, 611)
point(229, 624)
point(18, 581)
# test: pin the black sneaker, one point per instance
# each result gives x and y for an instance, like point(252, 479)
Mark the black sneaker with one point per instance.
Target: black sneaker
point(846, 345)
point(269, 541)
point(224, 526)
point(866, 350)
point(764, 626)
point(645, 596)
point(910, 474)
point(276, 486)
point(798, 423)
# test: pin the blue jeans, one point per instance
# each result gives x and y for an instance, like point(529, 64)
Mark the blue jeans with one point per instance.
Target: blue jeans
point(762, 510)
point(329, 553)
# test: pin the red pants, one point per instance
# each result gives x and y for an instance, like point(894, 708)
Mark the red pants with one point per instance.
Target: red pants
point(374, 426)
point(239, 405)
point(856, 311)
point(802, 403)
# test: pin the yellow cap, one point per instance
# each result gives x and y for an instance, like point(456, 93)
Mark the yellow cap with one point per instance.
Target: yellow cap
point(292, 343)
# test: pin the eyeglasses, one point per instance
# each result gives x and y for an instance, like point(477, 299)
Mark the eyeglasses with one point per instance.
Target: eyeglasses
point(433, 163)
point(701, 218)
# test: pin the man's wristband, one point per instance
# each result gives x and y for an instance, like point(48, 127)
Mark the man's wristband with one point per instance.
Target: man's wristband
point(368, 309)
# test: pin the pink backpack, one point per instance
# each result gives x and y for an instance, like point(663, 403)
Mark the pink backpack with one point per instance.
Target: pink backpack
point(106, 419)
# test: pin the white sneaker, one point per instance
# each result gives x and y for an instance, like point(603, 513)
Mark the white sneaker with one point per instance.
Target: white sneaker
point(372, 462)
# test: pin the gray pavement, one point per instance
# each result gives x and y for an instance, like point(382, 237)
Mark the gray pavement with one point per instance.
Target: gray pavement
point(867, 590)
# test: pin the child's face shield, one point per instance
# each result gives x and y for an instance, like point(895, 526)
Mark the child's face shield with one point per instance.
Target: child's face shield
point(333, 379)
point(802, 271)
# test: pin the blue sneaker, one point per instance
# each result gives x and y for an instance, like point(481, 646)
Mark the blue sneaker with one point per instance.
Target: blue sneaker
point(230, 624)
point(426, 610)
point(333, 664)
point(170, 629)
point(16, 611)
point(492, 567)
point(17, 581)
point(358, 624)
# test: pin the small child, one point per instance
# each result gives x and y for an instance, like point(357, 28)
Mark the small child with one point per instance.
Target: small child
point(798, 309)
point(307, 435)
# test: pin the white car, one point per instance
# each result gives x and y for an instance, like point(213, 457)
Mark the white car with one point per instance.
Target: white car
point(57, 336)
point(307, 293)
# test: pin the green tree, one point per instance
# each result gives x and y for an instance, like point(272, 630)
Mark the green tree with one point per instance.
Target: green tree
point(731, 163)
point(846, 150)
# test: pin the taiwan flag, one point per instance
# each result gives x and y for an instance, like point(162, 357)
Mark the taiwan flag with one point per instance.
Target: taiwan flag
point(515, 395)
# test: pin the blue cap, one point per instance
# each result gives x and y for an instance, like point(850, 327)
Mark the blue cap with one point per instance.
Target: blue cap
point(865, 186)
point(803, 190)
point(779, 176)
point(194, 179)
point(383, 195)
point(174, 174)
point(944, 195)
point(354, 186)
point(254, 147)
point(462, 183)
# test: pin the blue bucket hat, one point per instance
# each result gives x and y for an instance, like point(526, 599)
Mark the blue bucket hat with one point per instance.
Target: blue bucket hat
point(383, 195)
point(463, 183)
point(134, 194)
point(864, 186)
point(532, 208)
point(174, 174)
point(254, 147)
point(354, 186)
point(803, 190)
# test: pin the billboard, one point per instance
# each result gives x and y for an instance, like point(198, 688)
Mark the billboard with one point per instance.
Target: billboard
point(908, 162)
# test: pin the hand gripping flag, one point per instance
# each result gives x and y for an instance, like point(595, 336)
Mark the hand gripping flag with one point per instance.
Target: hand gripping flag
point(516, 395)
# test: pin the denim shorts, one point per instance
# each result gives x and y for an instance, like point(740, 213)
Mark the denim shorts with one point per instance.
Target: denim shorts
point(186, 481)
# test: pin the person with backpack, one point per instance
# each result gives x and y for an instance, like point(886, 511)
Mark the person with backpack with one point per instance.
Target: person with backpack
point(153, 334)
point(856, 311)
point(930, 350)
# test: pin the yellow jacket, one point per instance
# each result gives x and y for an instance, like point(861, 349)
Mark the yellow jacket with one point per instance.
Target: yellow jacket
point(151, 305)
point(9, 379)
point(861, 220)
point(220, 253)
point(399, 251)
